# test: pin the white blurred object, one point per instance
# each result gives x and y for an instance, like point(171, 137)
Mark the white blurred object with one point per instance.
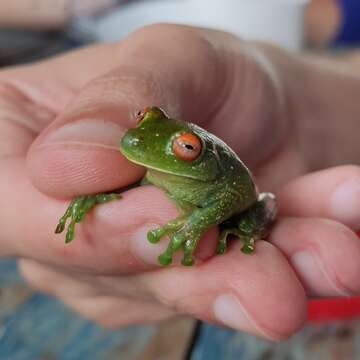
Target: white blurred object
point(277, 21)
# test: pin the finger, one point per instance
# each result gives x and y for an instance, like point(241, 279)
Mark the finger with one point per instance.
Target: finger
point(151, 70)
point(52, 83)
point(87, 299)
point(227, 289)
point(333, 193)
point(33, 95)
point(325, 254)
point(114, 312)
point(246, 292)
point(111, 239)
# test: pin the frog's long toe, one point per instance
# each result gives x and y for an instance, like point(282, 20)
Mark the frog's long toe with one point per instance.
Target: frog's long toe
point(224, 234)
point(77, 210)
point(171, 227)
point(221, 248)
point(71, 212)
point(155, 235)
point(222, 243)
point(60, 227)
point(165, 258)
point(177, 240)
point(248, 246)
point(187, 260)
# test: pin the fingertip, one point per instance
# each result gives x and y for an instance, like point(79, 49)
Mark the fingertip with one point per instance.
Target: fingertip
point(324, 253)
point(257, 293)
point(71, 169)
point(331, 193)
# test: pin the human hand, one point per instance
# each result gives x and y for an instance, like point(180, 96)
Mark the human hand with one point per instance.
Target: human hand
point(61, 123)
point(45, 14)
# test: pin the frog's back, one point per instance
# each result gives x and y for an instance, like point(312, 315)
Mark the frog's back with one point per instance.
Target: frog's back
point(235, 179)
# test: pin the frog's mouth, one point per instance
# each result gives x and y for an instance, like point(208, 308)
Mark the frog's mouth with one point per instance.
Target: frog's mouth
point(158, 170)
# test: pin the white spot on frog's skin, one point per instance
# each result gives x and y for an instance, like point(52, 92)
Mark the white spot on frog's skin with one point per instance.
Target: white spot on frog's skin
point(231, 167)
point(234, 183)
point(157, 134)
point(134, 141)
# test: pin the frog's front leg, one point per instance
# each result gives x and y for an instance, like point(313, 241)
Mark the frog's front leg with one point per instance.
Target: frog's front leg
point(155, 235)
point(77, 210)
point(188, 235)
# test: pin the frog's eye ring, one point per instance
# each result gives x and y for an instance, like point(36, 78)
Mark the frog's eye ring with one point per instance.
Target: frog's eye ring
point(187, 146)
point(140, 115)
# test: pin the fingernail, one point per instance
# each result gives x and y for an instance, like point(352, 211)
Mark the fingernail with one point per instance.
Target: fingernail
point(229, 311)
point(142, 248)
point(345, 203)
point(90, 131)
point(313, 274)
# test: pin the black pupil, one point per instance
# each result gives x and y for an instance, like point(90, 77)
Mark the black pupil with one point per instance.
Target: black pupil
point(189, 147)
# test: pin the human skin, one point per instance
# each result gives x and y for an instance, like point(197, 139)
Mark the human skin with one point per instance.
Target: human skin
point(45, 14)
point(322, 21)
point(293, 120)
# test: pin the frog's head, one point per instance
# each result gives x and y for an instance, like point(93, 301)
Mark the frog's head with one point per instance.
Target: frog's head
point(170, 146)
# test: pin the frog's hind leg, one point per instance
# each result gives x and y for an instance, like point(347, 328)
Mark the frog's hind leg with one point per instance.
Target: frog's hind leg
point(251, 225)
point(247, 240)
point(224, 233)
point(77, 210)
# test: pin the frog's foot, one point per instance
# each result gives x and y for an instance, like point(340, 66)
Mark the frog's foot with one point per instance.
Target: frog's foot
point(77, 210)
point(185, 239)
point(248, 244)
point(248, 240)
point(181, 236)
point(222, 243)
point(166, 257)
point(169, 228)
point(189, 247)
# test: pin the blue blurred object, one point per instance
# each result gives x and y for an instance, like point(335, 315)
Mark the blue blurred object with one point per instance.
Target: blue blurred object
point(349, 32)
point(34, 326)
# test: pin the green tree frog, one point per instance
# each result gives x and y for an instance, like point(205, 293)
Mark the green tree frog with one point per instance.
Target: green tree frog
point(201, 174)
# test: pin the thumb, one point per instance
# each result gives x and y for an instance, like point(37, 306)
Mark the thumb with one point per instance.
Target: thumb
point(78, 153)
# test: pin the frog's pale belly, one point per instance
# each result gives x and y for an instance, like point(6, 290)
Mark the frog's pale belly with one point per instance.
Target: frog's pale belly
point(217, 193)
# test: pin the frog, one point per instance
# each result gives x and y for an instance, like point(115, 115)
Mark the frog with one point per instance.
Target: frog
point(201, 174)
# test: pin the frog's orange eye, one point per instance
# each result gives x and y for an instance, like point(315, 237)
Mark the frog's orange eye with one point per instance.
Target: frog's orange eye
point(140, 115)
point(187, 146)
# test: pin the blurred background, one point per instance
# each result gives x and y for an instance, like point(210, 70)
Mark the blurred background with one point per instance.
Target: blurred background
point(35, 326)
point(34, 28)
